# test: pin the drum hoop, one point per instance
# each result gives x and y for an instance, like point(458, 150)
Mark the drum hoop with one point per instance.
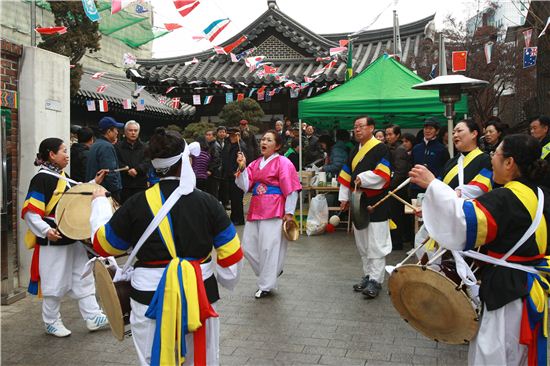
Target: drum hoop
point(465, 319)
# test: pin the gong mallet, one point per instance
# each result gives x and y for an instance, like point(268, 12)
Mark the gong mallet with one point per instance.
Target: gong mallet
point(107, 194)
point(403, 201)
point(405, 182)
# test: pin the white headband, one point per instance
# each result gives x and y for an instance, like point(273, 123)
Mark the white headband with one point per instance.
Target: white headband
point(187, 176)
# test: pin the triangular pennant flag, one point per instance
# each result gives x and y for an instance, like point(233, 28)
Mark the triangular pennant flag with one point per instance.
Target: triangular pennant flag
point(215, 28)
point(184, 7)
point(172, 26)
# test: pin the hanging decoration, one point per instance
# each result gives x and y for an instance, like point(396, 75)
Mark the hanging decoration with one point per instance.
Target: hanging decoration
point(337, 50)
point(184, 7)
point(433, 71)
point(170, 89)
point(228, 98)
point(196, 99)
point(208, 99)
point(459, 61)
point(140, 105)
point(230, 47)
point(101, 88)
point(91, 10)
point(172, 26)
point(193, 61)
point(90, 105)
point(219, 50)
point(343, 42)
point(51, 30)
point(127, 103)
point(488, 47)
point(103, 106)
point(140, 9)
point(128, 59)
point(240, 97)
point(118, 5)
point(529, 56)
point(527, 36)
point(98, 75)
point(215, 28)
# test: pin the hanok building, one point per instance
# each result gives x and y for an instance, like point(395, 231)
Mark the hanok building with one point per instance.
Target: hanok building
point(295, 51)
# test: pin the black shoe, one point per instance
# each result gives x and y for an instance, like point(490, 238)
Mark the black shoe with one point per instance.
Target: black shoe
point(372, 289)
point(358, 287)
point(259, 294)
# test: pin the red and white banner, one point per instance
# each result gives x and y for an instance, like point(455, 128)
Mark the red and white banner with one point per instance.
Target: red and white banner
point(175, 103)
point(51, 30)
point(103, 106)
point(184, 7)
point(337, 50)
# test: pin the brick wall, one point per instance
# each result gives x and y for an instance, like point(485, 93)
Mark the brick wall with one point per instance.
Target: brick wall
point(10, 55)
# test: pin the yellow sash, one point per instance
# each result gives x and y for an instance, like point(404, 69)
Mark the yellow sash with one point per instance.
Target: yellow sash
point(545, 151)
point(467, 160)
point(30, 238)
point(529, 200)
point(363, 151)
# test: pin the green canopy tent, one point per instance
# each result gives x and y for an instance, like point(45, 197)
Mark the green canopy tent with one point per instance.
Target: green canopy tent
point(383, 91)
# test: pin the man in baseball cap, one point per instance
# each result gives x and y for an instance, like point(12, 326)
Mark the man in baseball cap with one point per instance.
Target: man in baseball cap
point(103, 155)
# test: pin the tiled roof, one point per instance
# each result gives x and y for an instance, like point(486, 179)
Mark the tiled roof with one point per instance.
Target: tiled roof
point(120, 88)
point(291, 48)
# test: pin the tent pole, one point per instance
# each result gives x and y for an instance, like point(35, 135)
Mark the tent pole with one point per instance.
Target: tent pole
point(301, 179)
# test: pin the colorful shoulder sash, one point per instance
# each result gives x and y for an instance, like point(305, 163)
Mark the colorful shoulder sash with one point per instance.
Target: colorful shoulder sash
point(545, 151)
point(467, 160)
point(180, 305)
point(363, 151)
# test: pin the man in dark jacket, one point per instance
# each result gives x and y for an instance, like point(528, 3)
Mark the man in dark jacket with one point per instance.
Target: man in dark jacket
point(400, 167)
point(429, 152)
point(223, 187)
point(229, 165)
point(540, 129)
point(250, 140)
point(79, 153)
point(214, 165)
point(103, 156)
point(131, 153)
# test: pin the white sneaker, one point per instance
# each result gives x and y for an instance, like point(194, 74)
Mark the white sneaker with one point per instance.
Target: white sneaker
point(97, 322)
point(57, 329)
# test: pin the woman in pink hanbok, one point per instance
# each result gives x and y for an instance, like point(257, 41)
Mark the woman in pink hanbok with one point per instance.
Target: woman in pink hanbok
point(274, 184)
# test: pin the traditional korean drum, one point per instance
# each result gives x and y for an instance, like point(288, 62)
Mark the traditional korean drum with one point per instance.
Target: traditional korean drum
point(434, 303)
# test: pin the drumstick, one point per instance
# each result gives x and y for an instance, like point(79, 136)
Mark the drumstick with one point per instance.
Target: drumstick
point(124, 168)
point(405, 182)
point(403, 201)
point(107, 194)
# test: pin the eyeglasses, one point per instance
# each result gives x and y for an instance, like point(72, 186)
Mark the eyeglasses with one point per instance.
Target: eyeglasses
point(358, 127)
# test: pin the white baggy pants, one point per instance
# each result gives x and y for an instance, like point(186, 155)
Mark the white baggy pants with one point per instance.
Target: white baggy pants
point(265, 247)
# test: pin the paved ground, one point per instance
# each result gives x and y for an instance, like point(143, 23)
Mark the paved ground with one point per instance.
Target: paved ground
point(314, 318)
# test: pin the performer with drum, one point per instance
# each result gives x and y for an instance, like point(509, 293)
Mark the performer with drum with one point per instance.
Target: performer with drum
point(368, 170)
point(57, 261)
point(173, 283)
point(274, 184)
point(469, 172)
point(510, 225)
